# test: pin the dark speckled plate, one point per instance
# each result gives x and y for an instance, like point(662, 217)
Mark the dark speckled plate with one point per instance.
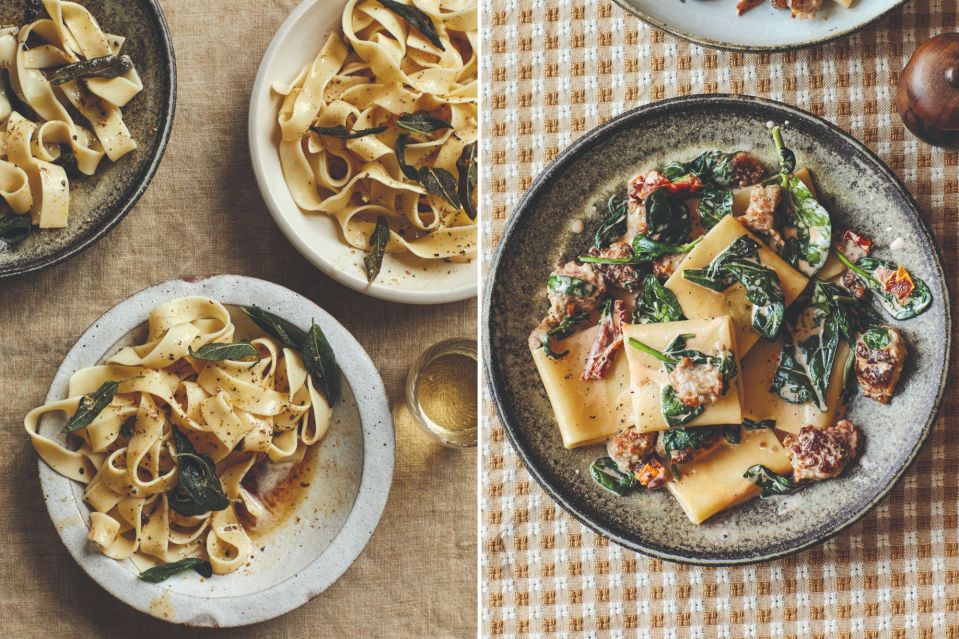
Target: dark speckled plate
point(859, 191)
point(99, 202)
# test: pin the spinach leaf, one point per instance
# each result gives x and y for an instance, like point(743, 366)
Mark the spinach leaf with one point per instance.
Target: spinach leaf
point(562, 330)
point(408, 170)
point(91, 405)
point(613, 225)
point(807, 225)
point(373, 260)
point(678, 439)
point(418, 19)
point(715, 203)
point(466, 166)
point(732, 433)
point(14, 229)
point(340, 131)
point(217, 352)
point(876, 338)
point(750, 424)
point(109, 66)
point(566, 285)
point(676, 412)
point(667, 219)
point(276, 327)
point(715, 276)
point(709, 166)
point(421, 122)
point(916, 303)
point(790, 380)
point(164, 571)
point(764, 293)
point(198, 490)
point(607, 474)
point(320, 361)
point(646, 249)
point(772, 483)
point(440, 183)
point(656, 303)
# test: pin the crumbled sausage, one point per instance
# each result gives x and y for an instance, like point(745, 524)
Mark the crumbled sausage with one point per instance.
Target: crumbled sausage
point(629, 448)
point(666, 265)
point(623, 276)
point(878, 370)
point(822, 453)
point(804, 9)
point(760, 215)
point(562, 304)
point(849, 281)
point(747, 170)
point(696, 384)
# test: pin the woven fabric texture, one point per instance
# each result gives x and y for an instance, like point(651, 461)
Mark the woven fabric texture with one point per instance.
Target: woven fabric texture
point(555, 69)
point(202, 215)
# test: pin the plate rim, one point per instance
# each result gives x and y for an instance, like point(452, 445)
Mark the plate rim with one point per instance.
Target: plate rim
point(379, 447)
point(732, 46)
point(569, 154)
point(257, 155)
point(150, 170)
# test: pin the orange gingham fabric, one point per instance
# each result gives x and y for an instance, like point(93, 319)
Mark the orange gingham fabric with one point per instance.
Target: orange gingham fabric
point(555, 69)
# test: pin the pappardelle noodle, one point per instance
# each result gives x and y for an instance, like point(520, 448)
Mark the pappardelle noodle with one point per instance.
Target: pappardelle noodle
point(380, 130)
point(57, 65)
point(165, 432)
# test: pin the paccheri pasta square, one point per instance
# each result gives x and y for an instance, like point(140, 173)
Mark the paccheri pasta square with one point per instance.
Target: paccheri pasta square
point(693, 355)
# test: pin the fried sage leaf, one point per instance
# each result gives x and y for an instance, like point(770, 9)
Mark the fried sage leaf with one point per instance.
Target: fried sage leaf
point(91, 405)
point(340, 131)
point(772, 483)
point(607, 474)
point(164, 571)
point(217, 352)
point(319, 359)
point(421, 122)
point(14, 229)
point(466, 166)
point(419, 20)
point(276, 327)
point(109, 66)
point(408, 170)
point(198, 490)
point(378, 241)
point(440, 183)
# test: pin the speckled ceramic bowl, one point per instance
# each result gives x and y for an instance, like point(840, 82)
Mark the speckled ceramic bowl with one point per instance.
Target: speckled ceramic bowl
point(714, 23)
point(99, 202)
point(320, 537)
point(859, 191)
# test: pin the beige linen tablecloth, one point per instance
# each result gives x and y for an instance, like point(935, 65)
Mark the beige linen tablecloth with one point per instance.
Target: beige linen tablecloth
point(203, 214)
point(554, 70)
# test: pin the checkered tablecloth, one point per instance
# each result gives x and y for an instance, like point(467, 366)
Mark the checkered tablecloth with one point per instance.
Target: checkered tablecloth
point(555, 69)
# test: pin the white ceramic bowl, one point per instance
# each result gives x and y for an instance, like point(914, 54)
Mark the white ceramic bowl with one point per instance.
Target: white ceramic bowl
point(338, 514)
point(317, 236)
point(714, 23)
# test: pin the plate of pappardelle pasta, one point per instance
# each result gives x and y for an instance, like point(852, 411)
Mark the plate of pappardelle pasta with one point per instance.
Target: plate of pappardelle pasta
point(731, 343)
point(215, 452)
point(363, 133)
point(759, 25)
point(87, 93)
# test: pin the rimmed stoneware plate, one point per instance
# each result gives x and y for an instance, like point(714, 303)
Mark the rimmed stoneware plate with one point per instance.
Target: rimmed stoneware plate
point(858, 190)
point(320, 538)
point(99, 202)
point(714, 23)
point(317, 237)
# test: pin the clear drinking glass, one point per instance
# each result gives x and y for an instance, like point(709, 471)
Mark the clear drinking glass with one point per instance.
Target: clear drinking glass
point(440, 394)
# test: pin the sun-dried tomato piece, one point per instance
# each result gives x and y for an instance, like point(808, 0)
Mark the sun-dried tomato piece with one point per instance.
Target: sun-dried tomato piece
point(898, 282)
point(652, 475)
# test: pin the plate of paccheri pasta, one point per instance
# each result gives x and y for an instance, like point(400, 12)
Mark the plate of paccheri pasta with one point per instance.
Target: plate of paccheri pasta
point(760, 25)
point(718, 330)
point(363, 134)
point(87, 93)
point(215, 452)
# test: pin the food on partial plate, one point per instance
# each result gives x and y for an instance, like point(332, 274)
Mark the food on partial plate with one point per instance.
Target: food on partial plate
point(172, 438)
point(716, 330)
point(802, 9)
point(380, 130)
point(63, 83)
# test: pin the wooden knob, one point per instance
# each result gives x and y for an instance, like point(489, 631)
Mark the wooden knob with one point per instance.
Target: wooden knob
point(928, 95)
